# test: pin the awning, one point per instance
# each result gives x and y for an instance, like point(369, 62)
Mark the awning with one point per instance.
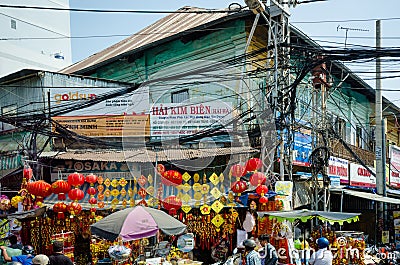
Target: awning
point(27, 214)
point(304, 215)
point(367, 195)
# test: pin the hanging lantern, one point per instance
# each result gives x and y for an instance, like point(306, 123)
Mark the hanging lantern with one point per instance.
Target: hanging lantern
point(27, 173)
point(253, 164)
point(237, 171)
point(239, 186)
point(60, 208)
point(40, 189)
point(74, 208)
point(76, 179)
point(262, 190)
point(172, 204)
point(257, 179)
point(91, 191)
point(92, 200)
point(171, 178)
point(76, 195)
point(60, 187)
point(263, 200)
point(91, 179)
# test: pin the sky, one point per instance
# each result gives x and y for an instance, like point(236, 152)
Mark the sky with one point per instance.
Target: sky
point(326, 22)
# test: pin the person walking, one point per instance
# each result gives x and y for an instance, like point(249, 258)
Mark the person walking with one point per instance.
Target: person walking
point(28, 252)
point(58, 257)
point(40, 260)
point(267, 252)
point(252, 256)
point(323, 256)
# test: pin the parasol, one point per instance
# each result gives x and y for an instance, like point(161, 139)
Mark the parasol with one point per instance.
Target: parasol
point(304, 215)
point(136, 223)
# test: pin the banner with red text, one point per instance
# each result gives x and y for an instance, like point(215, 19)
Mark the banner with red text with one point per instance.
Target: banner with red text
point(361, 177)
point(338, 171)
point(394, 180)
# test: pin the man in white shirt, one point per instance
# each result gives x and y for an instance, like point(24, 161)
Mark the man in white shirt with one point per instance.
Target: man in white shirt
point(323, 256)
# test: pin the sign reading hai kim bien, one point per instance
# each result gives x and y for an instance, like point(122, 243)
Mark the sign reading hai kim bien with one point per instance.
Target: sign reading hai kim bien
point(361, 177)
point(338, 171)
point(394, 180)
point(173, 119)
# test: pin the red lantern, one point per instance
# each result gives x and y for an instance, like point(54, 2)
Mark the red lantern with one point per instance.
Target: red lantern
point(40, 189)
point(91, 179)
point(60, 187)
point(172, 204)
point(258, 178)
point(76, 194)
point(74, 208)
point(263, 200)
point(262, 190)
point(27, 173)
point(239, 186)
point(76, 179)
point(93, 200)
point(171, 178)
point(60, 208)
point(237, 171)
point(91, 191)
point(253, 164)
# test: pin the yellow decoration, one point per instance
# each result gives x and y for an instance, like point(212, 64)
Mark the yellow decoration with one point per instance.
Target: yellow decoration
point(123, 182)
point(196, 177)
point(205, 188)
point(150, 179)
point(179, 195)
point(124, 203)
point(186, 208)
point(214, 179)
point(130, 192)
point(186, 187)
point(197, 196)
point(114, 201)
point(217, 220)
point(131, 202)
point(150, 190)
point(215, 193)
point(107, 193)
point(231, 198)
point(197, 187)
point(107, 182)
point(221, 178)
point(234, 213)
point(115, 192)
point(114, 183)
point(186, 198)
point(205, 209)
point(186, 176)
point(217, 206)
point(123, 192)
point(151, 202)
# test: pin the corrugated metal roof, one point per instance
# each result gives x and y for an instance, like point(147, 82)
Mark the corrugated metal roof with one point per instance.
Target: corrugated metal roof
point(146, 155)
point(162, 29)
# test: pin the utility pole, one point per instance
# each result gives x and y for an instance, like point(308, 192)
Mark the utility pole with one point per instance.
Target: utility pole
point(380, 145)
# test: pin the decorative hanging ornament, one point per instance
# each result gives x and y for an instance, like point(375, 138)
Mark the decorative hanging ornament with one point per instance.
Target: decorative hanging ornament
point(91, 179)
point(74, 208)
point(237, 171)
point(253, 164)
point(172, 204)
point(76, 179)
point(262, 190)
point(263, 200)
point(257, 179)
point(60, 208)
point(40, 189)
point(76, 195)
point(239, 186)
point(27, 172)
point(160, 169)
point(171, 178)
point(60, 187)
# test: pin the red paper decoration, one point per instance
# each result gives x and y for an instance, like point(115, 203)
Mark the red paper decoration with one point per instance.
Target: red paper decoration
point(76, 179)
point(263, 200)
point(239, 186)
point(237, 171)
point(160, 169)
point(74, 208)
point(76, 194)
point(172, 204)
point(91, 191)
point(262, 190)
point(60, 187)
point(60, 208)
point(258, 178)
point(253, 164)
point(40, 189)
point(92, 201)
point(91, 179)
point(27, 172)
point(171, 178)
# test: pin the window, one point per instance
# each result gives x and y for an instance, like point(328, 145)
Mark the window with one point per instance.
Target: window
point(180, 96)
point(8, 110)
point(341, 128)
point(359, 137)
point(13, 24)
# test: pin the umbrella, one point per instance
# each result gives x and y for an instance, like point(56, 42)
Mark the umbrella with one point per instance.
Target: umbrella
point(136, 223)
point(304, 215)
